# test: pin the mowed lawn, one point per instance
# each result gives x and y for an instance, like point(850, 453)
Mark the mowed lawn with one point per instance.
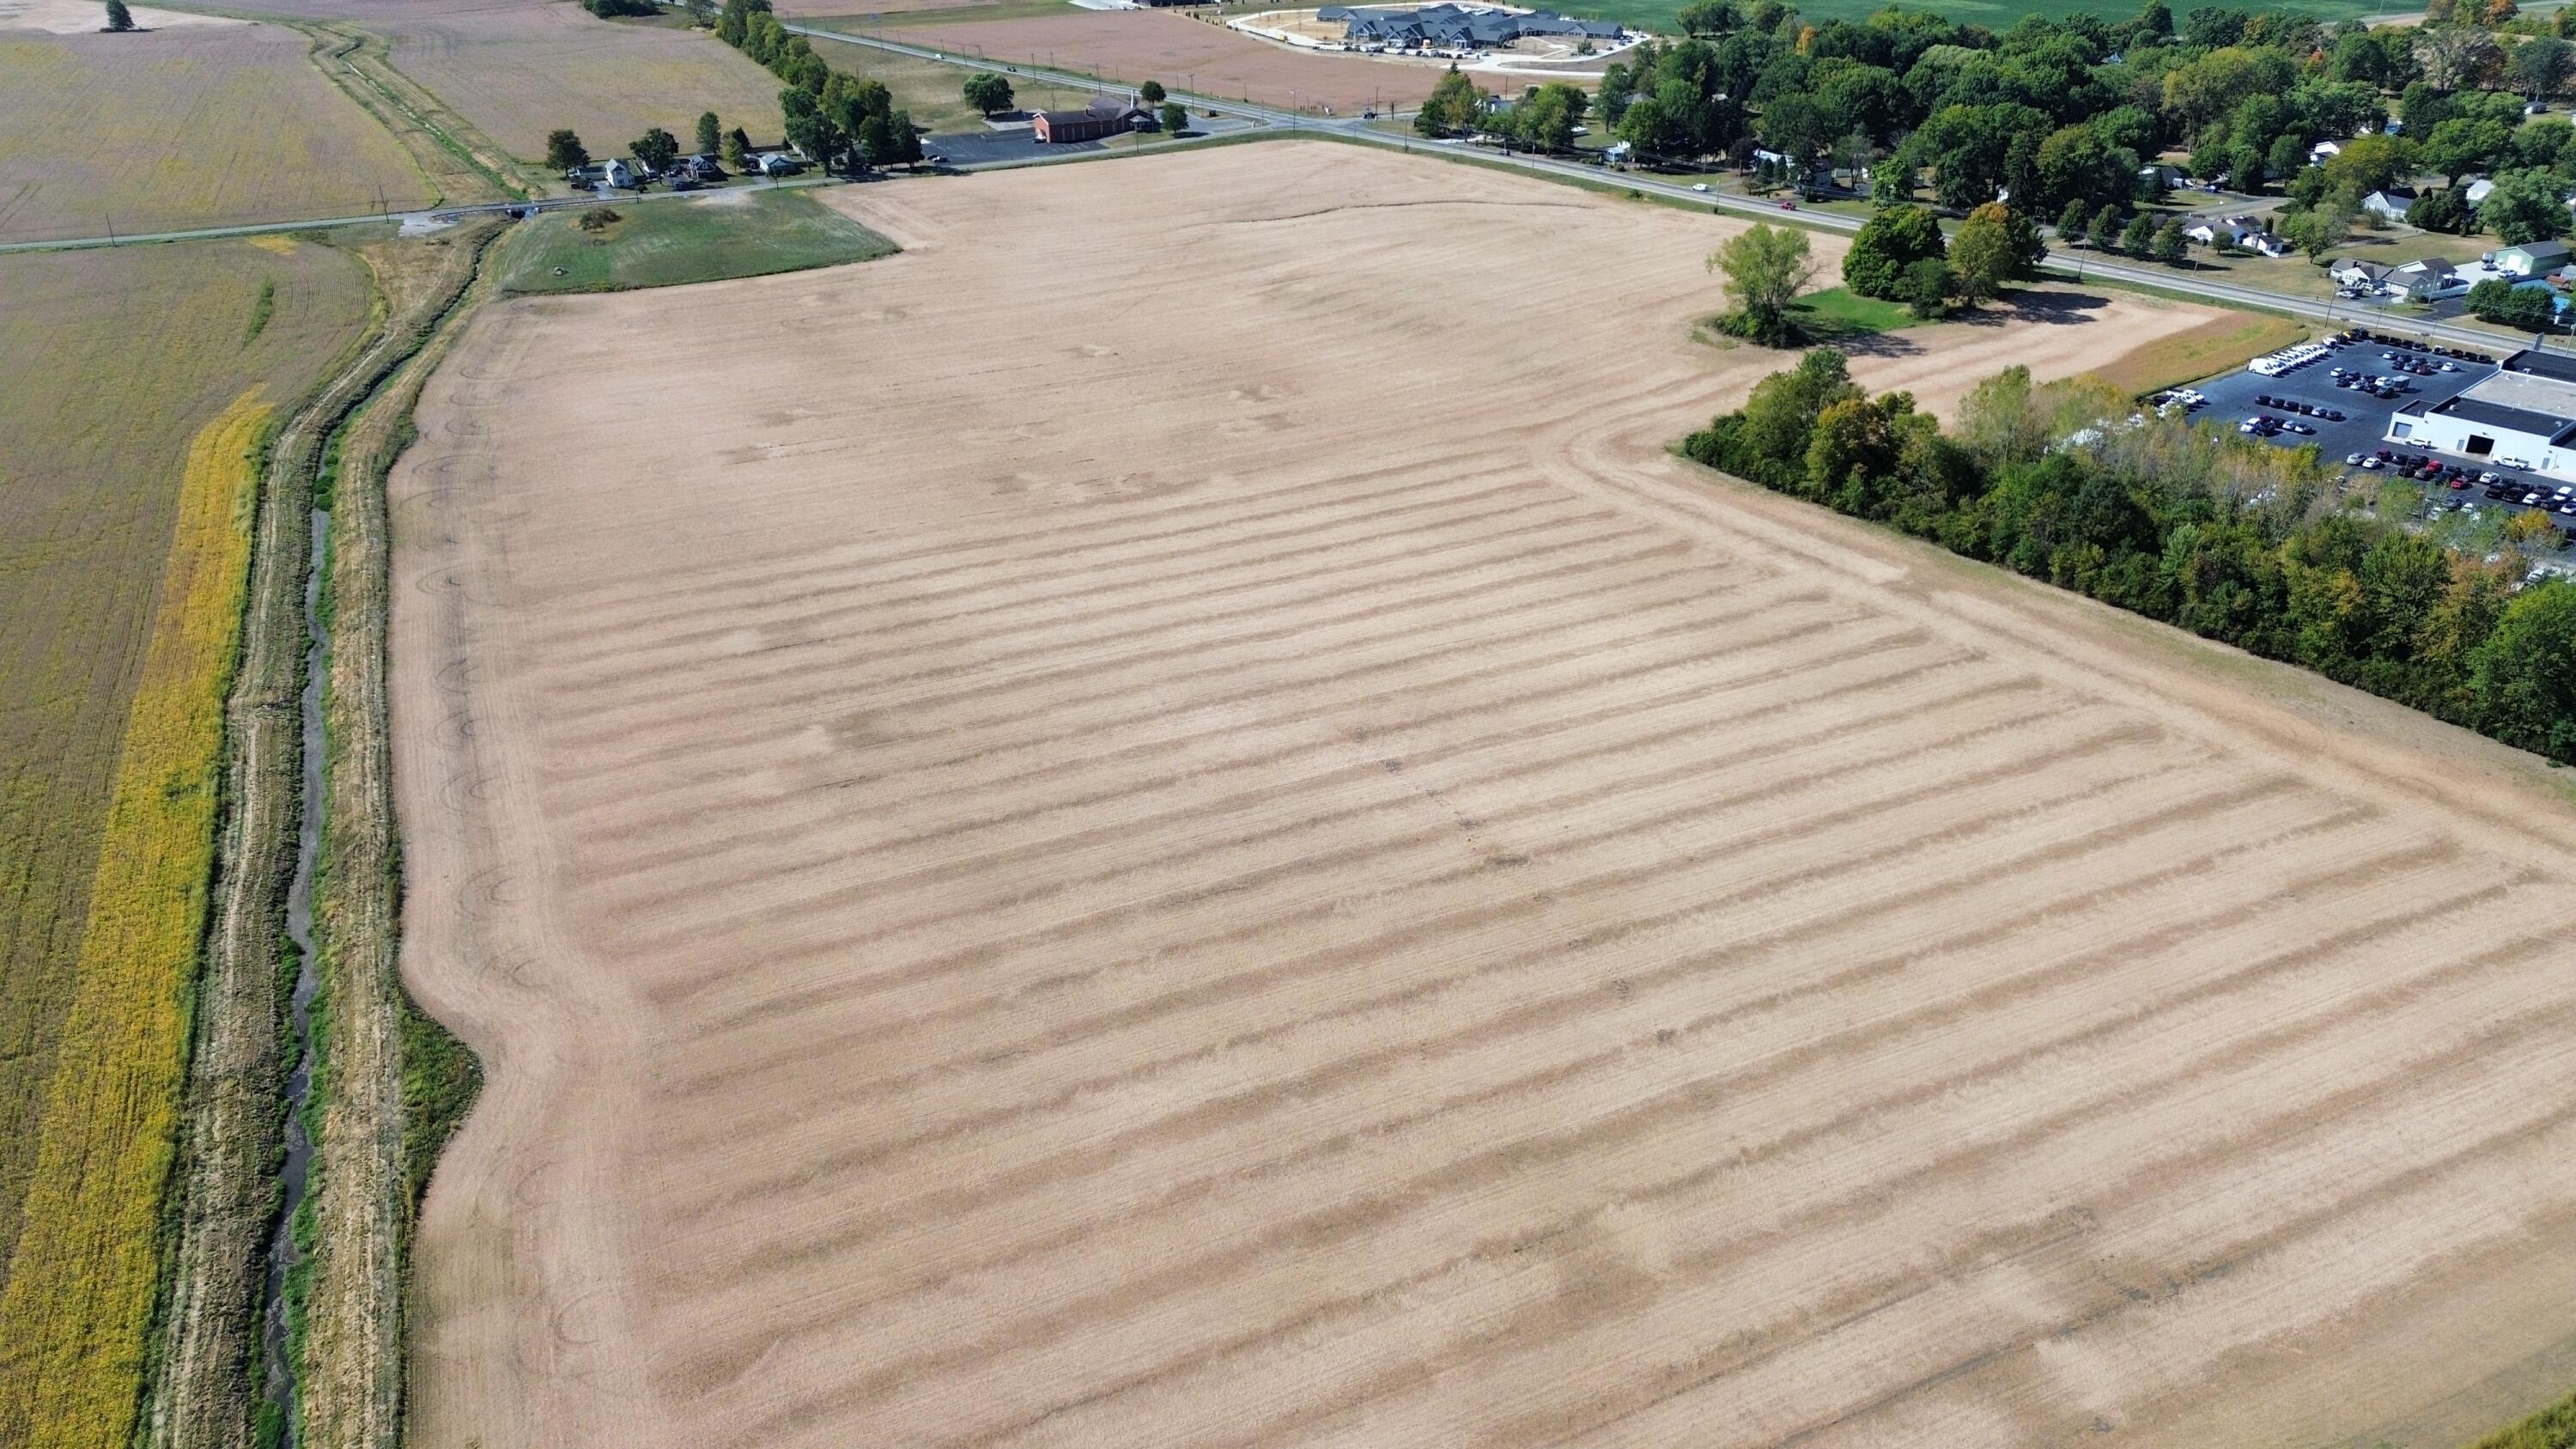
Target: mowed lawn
point(517, 72)
point(135, 377)
point(667, 243)
point(186, 127)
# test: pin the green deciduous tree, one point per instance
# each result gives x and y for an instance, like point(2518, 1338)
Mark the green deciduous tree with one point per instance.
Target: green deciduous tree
point(119, 18)
point(2523, 207)
point(1150, 93)
point(1893, 239)
point(2520, 677)
point(710, 134)
point(2171, 247)
point(2314, 232)
point(2369, 163)
point(2105, 230)
point(564, 151)
point(657, 148)
point(988, 92)
point(1453, 106)
point(1929, 284)
point(1176, 117)
point(2139, 238)
point(1765, 268)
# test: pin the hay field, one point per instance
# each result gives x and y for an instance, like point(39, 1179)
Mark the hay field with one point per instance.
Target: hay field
point(1141, 45)
point(137, 378)
point(1135, 881)
point(185, 127)
point(519, 71)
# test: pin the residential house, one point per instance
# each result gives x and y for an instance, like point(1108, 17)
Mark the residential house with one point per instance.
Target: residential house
point(2426, 281)
point(2477, 189)
point(617, 173)
point(2390, 204)
point(2353, 272)
point(2532, 259)
point(777, 163)
point(2324, 151)
point(2246, 233)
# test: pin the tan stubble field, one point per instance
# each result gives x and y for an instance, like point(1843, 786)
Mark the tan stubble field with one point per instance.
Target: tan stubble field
point(1162, 820)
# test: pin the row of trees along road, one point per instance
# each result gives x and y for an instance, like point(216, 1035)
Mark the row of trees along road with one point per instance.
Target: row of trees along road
point(2055, 111)
point(656, 148)
point(832, 116)
point(2184, 523)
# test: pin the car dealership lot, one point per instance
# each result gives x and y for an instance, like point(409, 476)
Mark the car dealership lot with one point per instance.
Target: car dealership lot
point(2237, 397)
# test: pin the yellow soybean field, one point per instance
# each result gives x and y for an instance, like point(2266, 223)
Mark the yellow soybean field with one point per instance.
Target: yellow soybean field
point(142, 382)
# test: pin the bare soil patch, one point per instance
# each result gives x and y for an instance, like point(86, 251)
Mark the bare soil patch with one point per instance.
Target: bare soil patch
point(1139, 881)
point(1140, 45)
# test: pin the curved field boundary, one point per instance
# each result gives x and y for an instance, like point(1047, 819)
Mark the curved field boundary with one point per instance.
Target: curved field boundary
point(72, 1323)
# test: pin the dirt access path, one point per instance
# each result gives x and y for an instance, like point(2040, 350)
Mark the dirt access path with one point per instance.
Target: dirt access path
point(1167, 837)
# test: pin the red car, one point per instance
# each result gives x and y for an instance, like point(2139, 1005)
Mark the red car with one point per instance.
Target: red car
point(1788, 206)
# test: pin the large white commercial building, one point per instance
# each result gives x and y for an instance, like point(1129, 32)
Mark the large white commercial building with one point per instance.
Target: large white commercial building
point(2523, 417)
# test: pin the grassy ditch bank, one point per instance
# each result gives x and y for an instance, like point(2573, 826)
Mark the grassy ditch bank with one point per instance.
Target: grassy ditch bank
point(208, 1385)
point(375, 1131)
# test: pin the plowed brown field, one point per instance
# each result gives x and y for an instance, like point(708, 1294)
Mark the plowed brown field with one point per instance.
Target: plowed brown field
point(1141, 45)
point(1162, 820)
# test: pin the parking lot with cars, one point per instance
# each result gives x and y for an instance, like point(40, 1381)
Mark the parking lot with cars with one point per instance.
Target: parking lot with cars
point(2340, 399)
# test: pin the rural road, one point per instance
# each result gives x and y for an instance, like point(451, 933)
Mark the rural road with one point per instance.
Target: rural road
point(1355, 128)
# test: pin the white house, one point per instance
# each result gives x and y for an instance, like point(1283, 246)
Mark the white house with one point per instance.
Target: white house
point(2478, 188)
point(2354, 272)
point(2318, 153)
point(2390, 204)
point(2238, 231)
point(777, 163)
point(620, 174)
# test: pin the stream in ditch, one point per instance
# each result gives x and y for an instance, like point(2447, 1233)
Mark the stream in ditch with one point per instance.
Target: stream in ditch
point(280, 1382)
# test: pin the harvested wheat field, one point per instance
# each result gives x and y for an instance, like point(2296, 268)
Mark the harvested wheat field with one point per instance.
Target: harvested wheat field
point(519, 71)
point(1052, 872)
point(1141, 45)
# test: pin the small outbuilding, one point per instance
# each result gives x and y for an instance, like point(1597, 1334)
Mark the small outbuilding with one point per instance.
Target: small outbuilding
point(2531, 259)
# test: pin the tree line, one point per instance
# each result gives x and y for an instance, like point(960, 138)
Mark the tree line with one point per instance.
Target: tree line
point(2056, 112)
point(2187, 525)
point(830, 115)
